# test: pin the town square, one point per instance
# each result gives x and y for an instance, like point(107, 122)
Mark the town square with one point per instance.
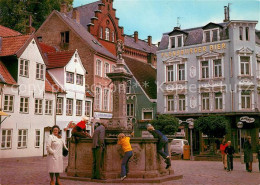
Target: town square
point(129, 91)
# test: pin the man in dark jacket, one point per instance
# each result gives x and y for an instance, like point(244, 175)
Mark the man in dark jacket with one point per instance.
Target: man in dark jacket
point(162, 145)
point(248, 154)
point(229, 150)
point(97, 150)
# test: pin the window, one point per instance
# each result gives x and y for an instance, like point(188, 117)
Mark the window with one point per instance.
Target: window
point(130, 110)
point(59, 108)
point(113, 68)
point(22, 138)
point(88, 108)
point(217, 68)
point(205, 69)
point(113, 36)
point(69, 77)
point(258, 69)
point(181, 71)
point(24, 105)
point(38, 106)
point(218, 101)
point(215, 35)
point(101, 33)
point(106, 99)
point(179, 41)
point(170, 73)
point(244, 65)
point(6, 139)
point(182, 102)
point(207, 36)
point(79, 79)
point(24, 67)
point(65, 37)
point(147, 115)
point(98, 98)
point(246, 99)
point(37, 138)
point(241, 33)
point(69, 107)
point(107, 68)
point(170, 103)
point(173, 42)
point(247, 33)
point(78, 108)
point(9, 103)
point(205, 101)
point(39, 71)
point(128, 87)
point(107, 34)
point(48, 107)
point(98, 68)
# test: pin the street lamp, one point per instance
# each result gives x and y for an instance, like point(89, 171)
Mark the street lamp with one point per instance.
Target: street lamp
point(191, 126)
point(240, 126)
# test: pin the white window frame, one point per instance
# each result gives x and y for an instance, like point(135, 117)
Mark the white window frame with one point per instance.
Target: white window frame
point(59, 106)
point(182, 103)
point(170, 103)
point(170, 77)
point(37, 138)
point(8, 103)
point(79, 79)
point(181, 72)
point(39, 71)
point(23, 137)
point(88, 108)
point(113, 36)
point(205, 100)
point(107, 34)
point(205, 70)
point(258, 69)
point(176, 41)
point(69, 77)
point(79, 107)
point(246, 100)
point(24, 105)
point(4, 138)
point(244, 66)
point(38, 106)
point(101, 32)
point(106, 69)
point(69, 106)
point(128, 87)
point(98, 95)
point(106, 100)
point(48, 107)
point(211, 35)
point(130, 110)
point(24, 68)
point(219, 68)
point(99, 67)
point(218, 101)
point(147, 111)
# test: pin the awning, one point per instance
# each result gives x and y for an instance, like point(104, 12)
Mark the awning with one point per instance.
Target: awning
point(3, 114)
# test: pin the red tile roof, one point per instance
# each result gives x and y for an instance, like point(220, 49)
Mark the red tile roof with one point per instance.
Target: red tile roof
point(59, 59)
point(51, 86)
point(4, 32)
point(11, 45)
point(5, 76)
point(46, 48)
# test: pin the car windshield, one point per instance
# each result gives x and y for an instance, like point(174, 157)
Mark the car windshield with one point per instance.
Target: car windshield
point(176, 142)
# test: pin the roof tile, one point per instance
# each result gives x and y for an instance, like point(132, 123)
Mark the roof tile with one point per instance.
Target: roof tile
point(59, 59)
point(5, 76)
point(51, 86)
point(4, 32)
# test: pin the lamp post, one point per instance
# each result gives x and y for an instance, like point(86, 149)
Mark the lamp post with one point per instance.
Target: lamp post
point(240, 126)
point(191, 126)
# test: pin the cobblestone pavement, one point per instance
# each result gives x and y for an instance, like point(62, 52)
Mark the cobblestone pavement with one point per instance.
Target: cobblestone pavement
point(33, 171)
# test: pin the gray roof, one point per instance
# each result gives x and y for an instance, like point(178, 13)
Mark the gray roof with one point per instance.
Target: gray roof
point(85, 35)
point(195, 36)
point(140, 45)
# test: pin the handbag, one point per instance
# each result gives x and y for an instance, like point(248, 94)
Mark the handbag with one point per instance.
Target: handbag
point(65, 152)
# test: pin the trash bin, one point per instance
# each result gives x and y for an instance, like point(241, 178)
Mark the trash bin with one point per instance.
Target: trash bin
point(186, 152)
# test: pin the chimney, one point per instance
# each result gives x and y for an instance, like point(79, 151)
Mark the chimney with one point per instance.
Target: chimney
point(30, 29)
point(63, 7)
point(149, 40)
point(226, 12)
point(159, 44)
point(136, 36)
point(177, 28)
point(75, 15)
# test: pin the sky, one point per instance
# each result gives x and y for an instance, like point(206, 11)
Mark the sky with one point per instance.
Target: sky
point(155, 17)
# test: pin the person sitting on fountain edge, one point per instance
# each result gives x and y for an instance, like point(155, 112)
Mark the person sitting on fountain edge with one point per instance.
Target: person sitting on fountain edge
point(126, 146)
point(79, 131)
point(162, 145)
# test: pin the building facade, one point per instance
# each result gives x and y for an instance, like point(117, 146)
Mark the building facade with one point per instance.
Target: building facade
point(211, 70)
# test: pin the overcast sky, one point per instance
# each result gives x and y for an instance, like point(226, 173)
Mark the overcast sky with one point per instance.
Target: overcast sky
point(154, 17)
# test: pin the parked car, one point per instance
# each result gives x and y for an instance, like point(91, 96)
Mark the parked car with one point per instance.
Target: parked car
point(177, 146)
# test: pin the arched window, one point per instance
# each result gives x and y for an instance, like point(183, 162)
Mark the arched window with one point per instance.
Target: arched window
point(113, 36)
point(107, 33)
point(101, 33)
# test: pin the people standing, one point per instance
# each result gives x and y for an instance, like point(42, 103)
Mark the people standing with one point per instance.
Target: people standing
point(248, 154)
point(222, 148)
point(229, 150)
point(162, 145)
point(258, 154)
point(54, 149)
point(98, 144)
point(126, 146)
point(79, 131)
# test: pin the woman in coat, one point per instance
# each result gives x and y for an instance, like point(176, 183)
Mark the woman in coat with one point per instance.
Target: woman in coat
point(248, 154)
point(54, 148)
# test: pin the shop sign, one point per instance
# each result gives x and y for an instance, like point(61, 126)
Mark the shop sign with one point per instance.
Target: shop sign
point(247, 119)
point(102, 115)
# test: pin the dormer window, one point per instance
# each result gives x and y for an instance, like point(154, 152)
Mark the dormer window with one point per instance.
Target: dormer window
point(176, 41)
point(211, 35)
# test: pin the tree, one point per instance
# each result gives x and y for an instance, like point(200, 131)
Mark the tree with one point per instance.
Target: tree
point(15, 14)
point(167, 124)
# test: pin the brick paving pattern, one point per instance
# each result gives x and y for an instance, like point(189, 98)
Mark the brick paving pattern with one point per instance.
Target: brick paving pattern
point(33, 171)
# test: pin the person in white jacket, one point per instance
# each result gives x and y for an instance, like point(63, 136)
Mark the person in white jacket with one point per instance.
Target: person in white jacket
point(54, 148)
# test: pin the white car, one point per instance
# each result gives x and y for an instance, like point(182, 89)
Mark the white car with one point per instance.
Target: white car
point(177, 146)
